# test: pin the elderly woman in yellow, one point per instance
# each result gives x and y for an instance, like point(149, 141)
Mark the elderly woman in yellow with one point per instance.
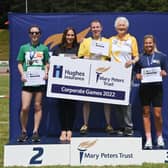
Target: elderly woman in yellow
point(124, 49)
point(85, 52)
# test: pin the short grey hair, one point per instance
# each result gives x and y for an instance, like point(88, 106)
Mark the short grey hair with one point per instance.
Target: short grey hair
point(121, 18)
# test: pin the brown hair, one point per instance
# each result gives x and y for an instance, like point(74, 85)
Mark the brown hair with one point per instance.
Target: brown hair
point(38, 27)
point(96, 21)
point(64, 42)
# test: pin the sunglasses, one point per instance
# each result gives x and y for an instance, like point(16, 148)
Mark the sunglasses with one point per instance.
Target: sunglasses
point(36, 33)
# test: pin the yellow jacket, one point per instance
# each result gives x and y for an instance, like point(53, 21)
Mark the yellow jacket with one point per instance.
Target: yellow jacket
point(84, 49)
point(126, 47)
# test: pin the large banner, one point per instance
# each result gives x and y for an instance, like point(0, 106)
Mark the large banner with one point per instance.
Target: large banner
point(93, 80)
point(52, 26)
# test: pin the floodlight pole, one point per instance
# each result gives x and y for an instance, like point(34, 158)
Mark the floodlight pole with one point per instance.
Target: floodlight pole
point(26, 6)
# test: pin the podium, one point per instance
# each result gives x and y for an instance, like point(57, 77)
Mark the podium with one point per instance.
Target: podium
point(92, 149)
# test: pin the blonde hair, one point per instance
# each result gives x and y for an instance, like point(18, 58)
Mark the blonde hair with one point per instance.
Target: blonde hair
point(154, 41)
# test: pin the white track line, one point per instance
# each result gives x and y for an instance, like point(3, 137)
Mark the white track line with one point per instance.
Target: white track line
point(4, 96)
point(4, 122)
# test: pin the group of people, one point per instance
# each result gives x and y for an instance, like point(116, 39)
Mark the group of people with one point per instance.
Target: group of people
point(123, 48)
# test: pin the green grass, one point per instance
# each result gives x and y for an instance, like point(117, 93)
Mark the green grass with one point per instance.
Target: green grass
point(4, 112)
point(4, 80)
point(144, 166)
point(4, 44)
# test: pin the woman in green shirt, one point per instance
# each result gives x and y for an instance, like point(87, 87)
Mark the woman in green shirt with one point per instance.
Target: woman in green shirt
point(32, 62)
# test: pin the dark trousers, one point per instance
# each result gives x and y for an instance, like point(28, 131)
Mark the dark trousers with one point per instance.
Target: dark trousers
point(67, 114)
point(124, 117)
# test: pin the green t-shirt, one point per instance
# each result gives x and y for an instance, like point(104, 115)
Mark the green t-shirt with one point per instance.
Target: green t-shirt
point(31, 55)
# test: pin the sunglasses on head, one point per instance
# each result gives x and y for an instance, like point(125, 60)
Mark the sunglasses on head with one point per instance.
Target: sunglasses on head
point(32, 33)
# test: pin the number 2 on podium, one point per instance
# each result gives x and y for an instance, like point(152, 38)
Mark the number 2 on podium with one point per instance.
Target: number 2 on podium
point(35, 158)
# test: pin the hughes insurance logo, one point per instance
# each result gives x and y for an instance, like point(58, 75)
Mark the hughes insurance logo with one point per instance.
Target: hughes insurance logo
point(83, 148)
point(57, 71)
point(100, 71)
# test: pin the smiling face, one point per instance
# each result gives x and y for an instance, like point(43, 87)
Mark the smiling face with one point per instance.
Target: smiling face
point(149, 45)
point(34, 34)
point(96, 29)
point(121, 27)
point(70, 36)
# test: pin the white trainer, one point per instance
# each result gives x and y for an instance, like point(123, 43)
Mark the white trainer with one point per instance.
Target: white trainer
point(148, 144)
point(160, 142)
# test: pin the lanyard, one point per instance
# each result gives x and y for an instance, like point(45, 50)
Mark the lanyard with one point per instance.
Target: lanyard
point(148, 61)
point(32, 52)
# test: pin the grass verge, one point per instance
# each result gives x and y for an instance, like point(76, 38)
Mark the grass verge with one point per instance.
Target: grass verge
point(4, 44)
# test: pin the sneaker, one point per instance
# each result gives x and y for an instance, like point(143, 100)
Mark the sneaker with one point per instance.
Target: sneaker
point(148, 144)
point(84, 129)
point(160, 142)
point(35, 137)
point(109, 129)
point(120, 131)
point(128, 132)
point(23, 137)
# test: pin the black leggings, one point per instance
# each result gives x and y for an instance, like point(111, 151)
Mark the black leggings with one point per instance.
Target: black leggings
point(67, 114)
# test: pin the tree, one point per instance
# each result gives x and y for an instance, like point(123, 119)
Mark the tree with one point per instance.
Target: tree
point(80, 6)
